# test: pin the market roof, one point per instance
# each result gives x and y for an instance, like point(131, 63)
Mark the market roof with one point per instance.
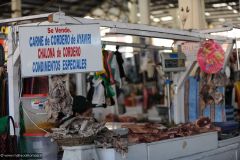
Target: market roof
point(31, 7)
point(217, 12)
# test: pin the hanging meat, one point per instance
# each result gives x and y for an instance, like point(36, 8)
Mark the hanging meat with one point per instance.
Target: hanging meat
point(59, 100)
point(209, 88)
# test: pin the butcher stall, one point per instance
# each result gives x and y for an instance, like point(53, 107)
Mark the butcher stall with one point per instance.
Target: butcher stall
point(58, 45)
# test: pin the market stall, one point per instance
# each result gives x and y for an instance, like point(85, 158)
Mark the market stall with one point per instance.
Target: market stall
point(197, 137)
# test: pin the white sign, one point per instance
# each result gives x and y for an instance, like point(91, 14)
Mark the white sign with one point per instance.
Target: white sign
point(60, 49)
point(190, 49)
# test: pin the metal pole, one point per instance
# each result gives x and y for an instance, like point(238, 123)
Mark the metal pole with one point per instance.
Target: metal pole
point(238, 65)
point(81, 88)
point(13, 79)
point(168, 81)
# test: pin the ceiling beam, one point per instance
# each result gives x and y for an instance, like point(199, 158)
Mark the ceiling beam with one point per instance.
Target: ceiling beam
point(223, 16)
point(222, 13)
point(211, 2)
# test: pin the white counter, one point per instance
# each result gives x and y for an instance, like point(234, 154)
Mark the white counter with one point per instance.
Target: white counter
point(166, 149)
point(90, 152)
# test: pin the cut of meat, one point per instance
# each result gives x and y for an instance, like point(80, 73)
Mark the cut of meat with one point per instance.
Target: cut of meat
point(111, 118)
point(144, 130)
point(135, 138)
point(202, 122)
point(146, 133)
point(127, 119)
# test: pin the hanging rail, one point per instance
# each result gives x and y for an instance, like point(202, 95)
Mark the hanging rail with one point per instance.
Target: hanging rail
point(124, 28)
point(136, 45)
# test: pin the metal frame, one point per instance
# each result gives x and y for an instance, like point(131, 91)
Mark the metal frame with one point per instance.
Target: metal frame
point(26, 18)
point(185, 75)
point(115, 27)
point(227, 53)
point(136, 45)
point(238, 65)
point(155, 34)
point(216, 30)
point(145, 30)
point(13, 79)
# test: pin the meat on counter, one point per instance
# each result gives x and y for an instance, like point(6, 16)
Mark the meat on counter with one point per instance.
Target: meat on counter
point(146, 133)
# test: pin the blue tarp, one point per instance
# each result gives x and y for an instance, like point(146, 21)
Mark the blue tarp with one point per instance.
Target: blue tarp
point(193, 99)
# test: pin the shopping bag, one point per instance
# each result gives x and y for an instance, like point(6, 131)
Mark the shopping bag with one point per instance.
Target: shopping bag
point(8, 142)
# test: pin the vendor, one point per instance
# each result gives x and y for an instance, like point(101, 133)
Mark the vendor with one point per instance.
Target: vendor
point(81, 107)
